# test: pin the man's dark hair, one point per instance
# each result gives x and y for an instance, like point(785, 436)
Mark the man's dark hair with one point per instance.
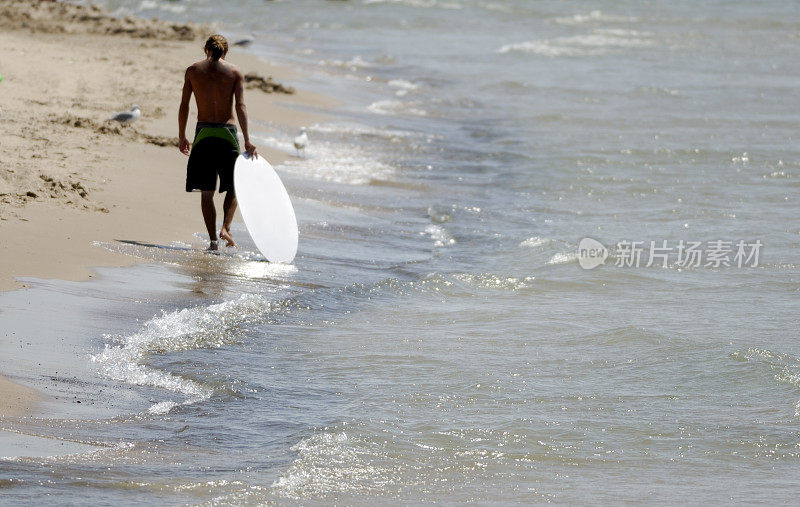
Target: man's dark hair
point(217, 46)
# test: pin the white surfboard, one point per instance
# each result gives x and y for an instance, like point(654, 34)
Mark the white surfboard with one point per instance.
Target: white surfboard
point(266, 208)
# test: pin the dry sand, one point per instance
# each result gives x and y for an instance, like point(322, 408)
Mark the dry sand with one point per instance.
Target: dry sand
point(69, 177)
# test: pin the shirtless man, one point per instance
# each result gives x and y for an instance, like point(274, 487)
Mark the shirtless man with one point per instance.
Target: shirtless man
point(215, 83)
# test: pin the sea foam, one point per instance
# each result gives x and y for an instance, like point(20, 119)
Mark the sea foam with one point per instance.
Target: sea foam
point(190, 328)
point(599, 42)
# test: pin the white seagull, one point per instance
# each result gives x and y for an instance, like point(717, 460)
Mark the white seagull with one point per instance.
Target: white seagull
point(128, 116)
point(301, 141)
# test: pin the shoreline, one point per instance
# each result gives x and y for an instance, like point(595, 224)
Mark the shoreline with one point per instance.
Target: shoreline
point(69, 177)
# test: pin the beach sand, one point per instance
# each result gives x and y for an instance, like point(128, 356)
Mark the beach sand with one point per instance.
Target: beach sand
point(68, 176)
point(17, 400)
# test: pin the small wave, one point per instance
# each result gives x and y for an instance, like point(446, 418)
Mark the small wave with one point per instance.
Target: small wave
point(402, 83)
point(535, 241)
point(208, 486)
point(492, 281)
point(421, 4)
point(539, 48)
point(385, 465)
point(780, 174)
point(190, 328)
point(168, 7)
point(333, 462)
point(352, 64)
point(464, 283)
point(362, 130)
point(563, 258)
point(622, 32)
point(597, 43)
point(389, 107)
point(162, 408)
point(593, 17)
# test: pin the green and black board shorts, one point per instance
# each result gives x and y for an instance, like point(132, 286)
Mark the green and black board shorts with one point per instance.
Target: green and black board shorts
point(214, 152)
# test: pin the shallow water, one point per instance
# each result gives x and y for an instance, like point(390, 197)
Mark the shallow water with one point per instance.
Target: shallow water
point(437, 338)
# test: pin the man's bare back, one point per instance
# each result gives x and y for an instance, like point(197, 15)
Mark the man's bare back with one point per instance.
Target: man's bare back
point(213, 84)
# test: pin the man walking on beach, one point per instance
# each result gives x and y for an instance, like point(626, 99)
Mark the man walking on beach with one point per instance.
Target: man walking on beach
point(215, 83)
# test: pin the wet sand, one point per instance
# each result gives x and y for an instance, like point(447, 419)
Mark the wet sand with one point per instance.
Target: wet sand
point(17, 400)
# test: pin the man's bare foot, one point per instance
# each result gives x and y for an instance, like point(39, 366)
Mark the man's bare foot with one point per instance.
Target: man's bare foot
point(226, 235)
point(213, 246)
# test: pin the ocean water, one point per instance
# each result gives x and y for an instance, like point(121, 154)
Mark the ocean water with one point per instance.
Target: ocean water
point(437, 338)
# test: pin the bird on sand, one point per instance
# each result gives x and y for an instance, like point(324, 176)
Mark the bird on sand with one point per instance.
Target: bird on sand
point(300, 142)
point(128, 116)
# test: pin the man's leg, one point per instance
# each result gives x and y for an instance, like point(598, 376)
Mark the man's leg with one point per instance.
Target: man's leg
point(210, 216)
point(229, 208)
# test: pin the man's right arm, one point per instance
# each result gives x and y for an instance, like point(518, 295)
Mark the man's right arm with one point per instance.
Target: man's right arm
point(241, 113)
point(183, 114)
